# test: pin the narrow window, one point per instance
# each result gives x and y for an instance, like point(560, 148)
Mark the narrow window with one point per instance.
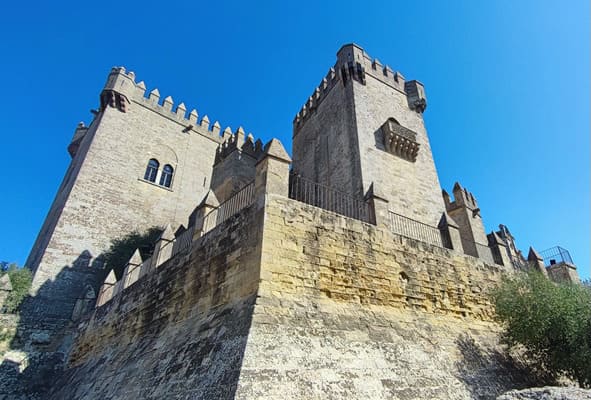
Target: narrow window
point(166, 177)
point(152, 170)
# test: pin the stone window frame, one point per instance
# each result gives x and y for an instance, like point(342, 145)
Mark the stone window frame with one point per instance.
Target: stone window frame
point(166, 176)
point(152, 170)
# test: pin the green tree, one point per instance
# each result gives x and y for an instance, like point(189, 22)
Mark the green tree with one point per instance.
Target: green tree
point(121, 249)
point(20, 279)
point(551, 321)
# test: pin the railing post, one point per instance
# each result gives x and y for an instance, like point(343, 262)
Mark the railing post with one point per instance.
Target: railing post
point(378, 207)
point(536, 262)
point(448, 228)
point(272, 172)
point(106, 292)
point(130, 275)
point(163, 247)
point(499, 249)
point(207, 205)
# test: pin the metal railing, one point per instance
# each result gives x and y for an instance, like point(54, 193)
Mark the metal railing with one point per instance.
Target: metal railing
point(183, 241)
point(556, 255)
point(241, 199)
point(327, 198)
point(417, 230)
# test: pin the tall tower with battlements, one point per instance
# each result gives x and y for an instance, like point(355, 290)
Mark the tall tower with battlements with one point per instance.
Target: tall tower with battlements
point(141, 162)
point(363, 126)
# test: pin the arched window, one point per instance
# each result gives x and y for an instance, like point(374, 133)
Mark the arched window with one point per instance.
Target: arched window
point(152, 170)
point(166, 177)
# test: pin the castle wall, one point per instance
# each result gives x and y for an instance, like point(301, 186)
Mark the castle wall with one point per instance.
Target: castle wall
point(347, 310)
point(312, 252)
point(297, 303)
point(179, 332)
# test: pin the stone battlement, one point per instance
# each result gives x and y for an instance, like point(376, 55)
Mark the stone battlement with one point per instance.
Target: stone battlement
point(321, 91)
point(462, 197)
point(237, 141)
point(124, 83)
point(353, 63)
point(352, 53)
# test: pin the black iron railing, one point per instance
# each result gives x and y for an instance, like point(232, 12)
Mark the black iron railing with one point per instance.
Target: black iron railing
point(556, 255)
point(327, 198)
point(183, 241)
point(239, 200)
point(417, 230)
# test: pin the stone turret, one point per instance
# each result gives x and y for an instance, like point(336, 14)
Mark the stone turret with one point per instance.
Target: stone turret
point(465, 211)
point(235, 161)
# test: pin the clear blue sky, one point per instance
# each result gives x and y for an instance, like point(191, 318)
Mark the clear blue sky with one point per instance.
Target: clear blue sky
point(507, 84)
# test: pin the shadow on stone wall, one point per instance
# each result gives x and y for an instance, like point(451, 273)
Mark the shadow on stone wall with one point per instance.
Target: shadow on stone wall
point(198, 358)
point(488, 372)
point(45, 329)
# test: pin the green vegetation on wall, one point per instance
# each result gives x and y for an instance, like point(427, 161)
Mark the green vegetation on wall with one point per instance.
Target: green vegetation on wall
point(122, 248)
point(551, 321)
point(20, 279)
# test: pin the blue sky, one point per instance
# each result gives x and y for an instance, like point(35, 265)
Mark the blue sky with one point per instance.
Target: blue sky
point(507, 84)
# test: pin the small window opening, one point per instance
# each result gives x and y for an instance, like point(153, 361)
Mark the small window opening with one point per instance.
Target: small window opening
point(166, 177)
point(152, 170)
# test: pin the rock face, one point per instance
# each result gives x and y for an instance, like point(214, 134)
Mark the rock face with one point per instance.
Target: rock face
point(547, 393)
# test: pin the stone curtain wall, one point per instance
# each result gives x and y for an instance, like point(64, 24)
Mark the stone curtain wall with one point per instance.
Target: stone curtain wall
point(300, 303)
point(348, 311)
point(314, 253)
point(180, 331)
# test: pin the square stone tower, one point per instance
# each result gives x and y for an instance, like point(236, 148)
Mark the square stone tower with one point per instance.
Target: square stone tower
point(139, 164)
point(363, 125)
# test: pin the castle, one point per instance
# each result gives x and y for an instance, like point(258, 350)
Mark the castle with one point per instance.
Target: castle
point(264, 258)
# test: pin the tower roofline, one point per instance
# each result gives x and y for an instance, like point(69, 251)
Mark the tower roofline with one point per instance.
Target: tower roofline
point(349, 45)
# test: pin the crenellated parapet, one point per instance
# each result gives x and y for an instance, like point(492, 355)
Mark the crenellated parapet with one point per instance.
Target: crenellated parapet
point(238, 141)
point(354, 64)
point(319, 94)
point(121, 90)
point(462, 198)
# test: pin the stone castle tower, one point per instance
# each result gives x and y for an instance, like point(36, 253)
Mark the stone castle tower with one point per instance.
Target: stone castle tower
point(139, 164)
point(259, 263)
point(363, 127)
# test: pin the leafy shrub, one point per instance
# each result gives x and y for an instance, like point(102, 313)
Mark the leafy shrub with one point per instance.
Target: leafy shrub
point(20, 279)
point(551, 321)
point(121, 249)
